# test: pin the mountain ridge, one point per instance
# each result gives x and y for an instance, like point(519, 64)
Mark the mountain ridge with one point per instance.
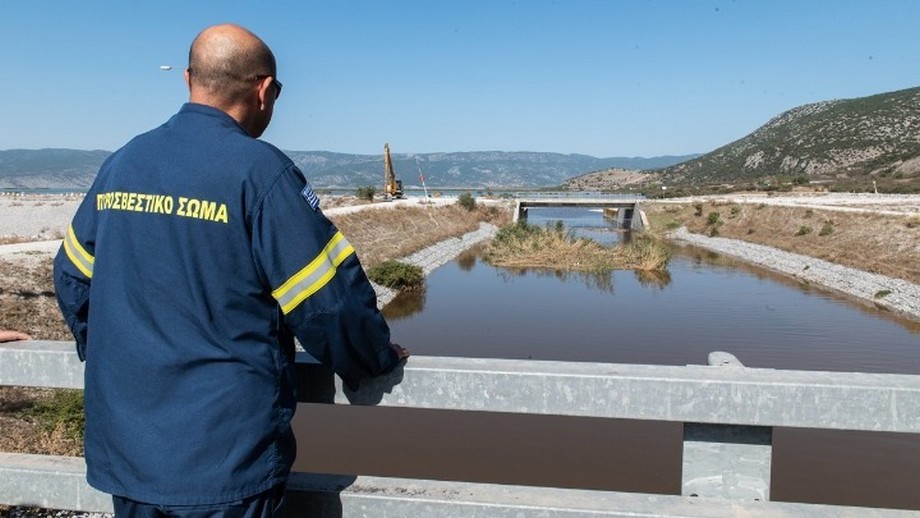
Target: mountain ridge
point(848, 141)
point(59, 168)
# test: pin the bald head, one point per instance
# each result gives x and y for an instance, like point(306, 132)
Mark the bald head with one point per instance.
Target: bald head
point(224, 60)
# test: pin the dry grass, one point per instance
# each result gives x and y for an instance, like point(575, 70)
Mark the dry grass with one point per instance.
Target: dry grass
point(528, 246)
point(383, 234)
point(26, 435)
point(27, 300)
point(547, 249)
point(887, 245)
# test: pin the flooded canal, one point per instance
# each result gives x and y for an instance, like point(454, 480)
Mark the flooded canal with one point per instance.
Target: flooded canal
point(704, 303)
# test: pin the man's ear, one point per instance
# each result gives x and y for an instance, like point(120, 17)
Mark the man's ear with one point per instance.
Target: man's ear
point(265, 89)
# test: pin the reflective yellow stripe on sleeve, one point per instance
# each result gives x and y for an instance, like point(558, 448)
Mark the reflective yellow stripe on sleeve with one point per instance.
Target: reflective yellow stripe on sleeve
point(315, 275)
point(78, 255)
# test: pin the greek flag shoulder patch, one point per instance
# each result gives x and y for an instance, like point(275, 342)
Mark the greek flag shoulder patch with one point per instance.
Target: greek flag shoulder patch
point(310, 196)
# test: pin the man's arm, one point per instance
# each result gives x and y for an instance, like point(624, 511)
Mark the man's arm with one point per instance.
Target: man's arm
point(73, 272)
point(320, 285)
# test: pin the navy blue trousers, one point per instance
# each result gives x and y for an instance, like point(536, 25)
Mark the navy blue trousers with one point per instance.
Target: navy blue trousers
point(269, 504)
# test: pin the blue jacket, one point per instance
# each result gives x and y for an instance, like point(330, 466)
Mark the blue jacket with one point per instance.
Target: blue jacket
point(196, 256)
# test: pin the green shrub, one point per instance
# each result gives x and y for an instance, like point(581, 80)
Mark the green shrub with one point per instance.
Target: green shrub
point(735, 210)
point(827, 229)
point(882, 293)
point(366, 192)
point(467, 201)
point(64, 410)
point(398, 275)
point(712, 218)
point(698, 209)
point(803, 230)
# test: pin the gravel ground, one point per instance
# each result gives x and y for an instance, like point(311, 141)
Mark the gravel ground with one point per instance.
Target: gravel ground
point(894, 294)
point(37, 217)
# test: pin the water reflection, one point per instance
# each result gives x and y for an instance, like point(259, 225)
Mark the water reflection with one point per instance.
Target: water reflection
point(656, 279)
point(405, 305)
point(467, 259)
point(601, 282)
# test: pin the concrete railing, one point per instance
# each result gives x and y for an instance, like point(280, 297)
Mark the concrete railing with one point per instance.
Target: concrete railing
point(728, 412)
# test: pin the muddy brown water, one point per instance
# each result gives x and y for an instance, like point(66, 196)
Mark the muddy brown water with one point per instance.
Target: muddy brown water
point(706, 303)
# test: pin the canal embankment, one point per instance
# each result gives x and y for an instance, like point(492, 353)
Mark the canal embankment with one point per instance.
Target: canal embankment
point(438, 254)
point(882, 291)
point(865, 246)
point(872, 233)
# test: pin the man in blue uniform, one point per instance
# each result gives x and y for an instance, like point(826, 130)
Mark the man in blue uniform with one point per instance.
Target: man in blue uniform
point(196, 257)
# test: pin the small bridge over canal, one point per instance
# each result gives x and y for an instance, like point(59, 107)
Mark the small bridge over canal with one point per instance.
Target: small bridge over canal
point(627, 210)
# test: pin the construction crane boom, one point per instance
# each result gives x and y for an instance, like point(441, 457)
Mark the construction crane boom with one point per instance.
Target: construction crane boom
point(392, 187)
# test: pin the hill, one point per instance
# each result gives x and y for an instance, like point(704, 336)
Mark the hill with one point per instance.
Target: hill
point(460, 169)
point(49, 168)
point(848, 143)
point(75, 169)
point(613, 179)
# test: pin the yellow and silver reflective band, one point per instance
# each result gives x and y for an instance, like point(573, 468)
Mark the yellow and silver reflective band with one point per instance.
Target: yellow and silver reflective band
point(77, 254)
point(315, 275)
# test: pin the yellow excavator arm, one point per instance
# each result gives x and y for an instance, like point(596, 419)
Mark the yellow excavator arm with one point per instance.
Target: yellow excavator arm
point(392, 188)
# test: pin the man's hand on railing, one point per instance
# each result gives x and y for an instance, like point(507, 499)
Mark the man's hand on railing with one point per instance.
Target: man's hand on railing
point(401, 351)
point(372, 390)
point(12, 336)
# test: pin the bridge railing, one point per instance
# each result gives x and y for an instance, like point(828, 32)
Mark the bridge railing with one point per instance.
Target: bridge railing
point(629, 214)
point(728, 412)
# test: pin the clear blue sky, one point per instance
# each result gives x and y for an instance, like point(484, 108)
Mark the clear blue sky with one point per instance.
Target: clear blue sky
point(604, 78)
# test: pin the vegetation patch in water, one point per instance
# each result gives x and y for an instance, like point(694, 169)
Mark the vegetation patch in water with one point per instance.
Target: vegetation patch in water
point(523, 245)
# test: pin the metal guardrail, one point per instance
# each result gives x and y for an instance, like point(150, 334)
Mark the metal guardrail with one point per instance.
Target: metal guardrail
point(728, 413)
